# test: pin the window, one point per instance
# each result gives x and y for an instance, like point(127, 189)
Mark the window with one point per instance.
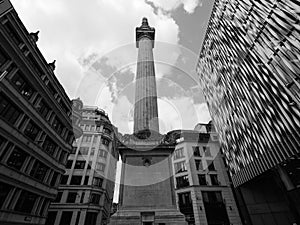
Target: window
point(210, 165)
point(92, 151)
point(180, 167)
point(58, 196)
point(96, 137)
point(39, 171)
point(75, 180)
point(196, 151)
point(202, 179)
point(95, 198)
point(64, 179)
point(89, 165)
point(102, 153)
point(52, 89)
point(70, 137)
point(69, 164)
point(16, 159)
point(182, 181)
point(79, 164)
point(4, 191)
point(82, 197)
point(77, 218)
point(185, 199)
point(66, 218)
point(23, 86)
point(87, 127)
point(64, 107)
point(105, 141)
point(92, 127)
point(22, 122)
point(212, 197)
point(214, 179)
point(84, 150)
point(12, 33)
point(43, 207)
point(3, 57)
point(54, 179)
point(32, 131)
point(178, 153)
point(71, 197)
point(100, 166)
point(35, 65)
point(63, 157)
point(106, 131)
point(97, 128)
point(8, 111)
point(86, 180)
point(87, 138)
point(43, 108)
point(26, 202)
point(97, 181)
point(51, 217)
point(207, 152)
point(49, 146)
point(198, 164)
point(57, 125)
point(73, 150)
point(91, 218)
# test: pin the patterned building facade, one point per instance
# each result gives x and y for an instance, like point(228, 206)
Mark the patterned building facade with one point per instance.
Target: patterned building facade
point(36, 132)
point(203, 189)
point(249, 72)
point(86, 189)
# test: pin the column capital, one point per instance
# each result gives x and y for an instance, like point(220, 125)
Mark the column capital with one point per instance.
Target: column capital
point(145, 31)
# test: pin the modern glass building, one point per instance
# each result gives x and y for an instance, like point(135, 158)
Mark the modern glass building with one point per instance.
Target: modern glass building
point(249, 71)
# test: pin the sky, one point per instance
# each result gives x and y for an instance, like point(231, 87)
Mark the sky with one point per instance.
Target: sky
point(93, 43)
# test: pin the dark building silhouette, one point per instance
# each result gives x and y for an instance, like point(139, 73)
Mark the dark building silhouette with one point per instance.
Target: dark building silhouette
point(36, 132)
point(249, 72)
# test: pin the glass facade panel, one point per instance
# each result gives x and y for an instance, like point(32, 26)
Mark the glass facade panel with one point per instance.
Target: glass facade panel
point(249, 74)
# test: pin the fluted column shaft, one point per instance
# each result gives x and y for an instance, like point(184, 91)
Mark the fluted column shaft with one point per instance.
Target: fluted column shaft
point(145, 109)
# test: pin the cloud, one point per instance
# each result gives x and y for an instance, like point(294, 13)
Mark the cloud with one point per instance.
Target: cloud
point(181, 113)
point(171, 5)
point(70, 37)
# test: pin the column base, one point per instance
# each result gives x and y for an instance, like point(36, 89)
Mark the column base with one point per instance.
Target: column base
point(156, 216)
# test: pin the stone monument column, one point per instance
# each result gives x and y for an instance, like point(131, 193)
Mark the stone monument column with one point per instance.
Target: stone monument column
point(147, 194)
point(145, 108)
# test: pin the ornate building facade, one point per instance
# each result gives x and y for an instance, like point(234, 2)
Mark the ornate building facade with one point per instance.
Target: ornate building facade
point(36, 132)
point(249, 72)
point(86, 189)
point(202, 185)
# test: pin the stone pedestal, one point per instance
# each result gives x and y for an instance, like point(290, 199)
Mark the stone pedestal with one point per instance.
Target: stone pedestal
point(147, 188)
point(144, 216)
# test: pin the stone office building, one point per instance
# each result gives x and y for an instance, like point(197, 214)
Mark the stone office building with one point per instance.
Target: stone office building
point(86, 189)
point(202, 184)
point(36, 132)
point(249, 71)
